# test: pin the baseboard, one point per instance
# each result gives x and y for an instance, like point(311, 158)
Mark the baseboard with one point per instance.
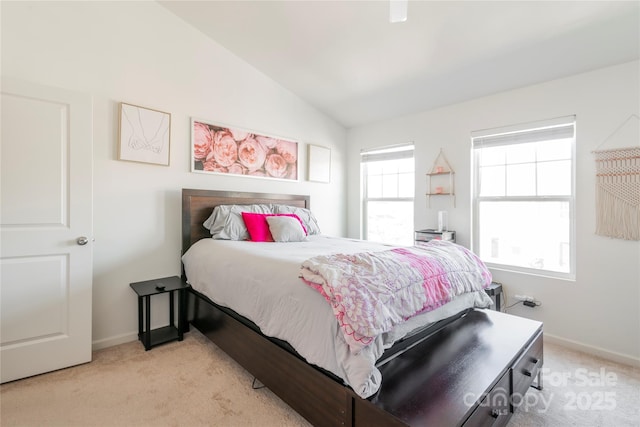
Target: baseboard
point(596, 351)
point(110, 342)
point(574, 345)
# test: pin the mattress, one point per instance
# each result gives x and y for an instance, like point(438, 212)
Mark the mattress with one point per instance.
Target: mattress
point(261, 281)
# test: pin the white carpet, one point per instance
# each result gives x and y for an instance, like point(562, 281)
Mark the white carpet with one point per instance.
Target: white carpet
point(193, 383)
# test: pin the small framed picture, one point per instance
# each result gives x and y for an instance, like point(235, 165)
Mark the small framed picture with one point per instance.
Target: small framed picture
point(319, 167)
point(144, 135)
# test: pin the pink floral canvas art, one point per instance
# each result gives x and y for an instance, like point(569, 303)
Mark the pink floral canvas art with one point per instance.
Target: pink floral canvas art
point(219, 149)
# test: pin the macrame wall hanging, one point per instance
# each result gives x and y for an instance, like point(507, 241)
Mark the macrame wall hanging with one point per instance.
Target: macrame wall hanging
point(618, 184)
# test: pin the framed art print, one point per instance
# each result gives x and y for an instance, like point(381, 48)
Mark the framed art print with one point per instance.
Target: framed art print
point(144, 135)
point(228, 150)
point(319, 163)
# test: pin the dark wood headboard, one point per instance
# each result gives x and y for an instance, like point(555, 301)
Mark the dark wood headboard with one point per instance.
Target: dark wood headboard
point(197, 205)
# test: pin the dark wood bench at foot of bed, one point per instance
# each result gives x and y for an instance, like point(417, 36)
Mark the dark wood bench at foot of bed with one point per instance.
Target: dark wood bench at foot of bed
point(463, 374)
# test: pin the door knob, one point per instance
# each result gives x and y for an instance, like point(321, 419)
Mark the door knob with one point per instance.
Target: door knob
point(82, 240)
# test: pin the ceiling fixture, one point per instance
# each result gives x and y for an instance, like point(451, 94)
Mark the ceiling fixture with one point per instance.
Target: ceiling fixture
point(398, 10)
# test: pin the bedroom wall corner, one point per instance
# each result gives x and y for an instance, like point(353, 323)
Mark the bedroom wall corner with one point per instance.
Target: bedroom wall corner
point(606, 293)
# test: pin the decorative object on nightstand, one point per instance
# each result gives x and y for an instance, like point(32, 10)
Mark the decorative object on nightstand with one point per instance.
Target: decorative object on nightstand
point(145, 290)
point(443, 221)
point(423, 236)
point(440, 180)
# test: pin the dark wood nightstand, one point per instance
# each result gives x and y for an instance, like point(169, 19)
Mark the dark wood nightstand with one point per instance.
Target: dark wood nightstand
point(145, 291)
point(495, 290)
point(423, 236)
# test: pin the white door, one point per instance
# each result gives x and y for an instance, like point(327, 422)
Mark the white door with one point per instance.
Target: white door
point(45, 208)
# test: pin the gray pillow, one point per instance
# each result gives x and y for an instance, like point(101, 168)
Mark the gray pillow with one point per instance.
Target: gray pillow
point(226, 223)
point(286, 229)
point(305, 215)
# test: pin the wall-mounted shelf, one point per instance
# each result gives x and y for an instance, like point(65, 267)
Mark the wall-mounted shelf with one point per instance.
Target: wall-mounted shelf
point(440, 180)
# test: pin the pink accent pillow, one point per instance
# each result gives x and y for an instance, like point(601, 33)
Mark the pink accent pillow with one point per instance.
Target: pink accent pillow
point(258, 227)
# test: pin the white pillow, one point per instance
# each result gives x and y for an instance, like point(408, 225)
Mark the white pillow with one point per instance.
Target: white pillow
point(305, 215)
point(286, 229)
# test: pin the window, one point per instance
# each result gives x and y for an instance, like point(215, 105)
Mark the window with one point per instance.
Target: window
point(523, 197)
point(388, 193)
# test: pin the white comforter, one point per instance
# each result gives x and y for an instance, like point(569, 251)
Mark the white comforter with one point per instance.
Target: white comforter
point(261, 282)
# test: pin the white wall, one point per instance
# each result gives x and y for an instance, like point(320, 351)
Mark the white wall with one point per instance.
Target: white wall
point(138, 52)
point(600, 310)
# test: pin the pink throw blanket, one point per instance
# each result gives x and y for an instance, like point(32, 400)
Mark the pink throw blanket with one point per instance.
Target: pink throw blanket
point(372, 292)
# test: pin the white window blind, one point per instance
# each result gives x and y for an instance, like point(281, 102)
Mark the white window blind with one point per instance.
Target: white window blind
point(396, 152)
point(553, 132)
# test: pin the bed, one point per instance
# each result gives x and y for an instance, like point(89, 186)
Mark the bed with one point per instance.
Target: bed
point(322, 397)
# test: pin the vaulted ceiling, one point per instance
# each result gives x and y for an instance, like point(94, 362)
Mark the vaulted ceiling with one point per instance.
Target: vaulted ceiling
point(349, 61)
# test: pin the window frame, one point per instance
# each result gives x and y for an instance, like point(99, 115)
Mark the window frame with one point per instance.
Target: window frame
point(391, 152)
point(503, 133)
